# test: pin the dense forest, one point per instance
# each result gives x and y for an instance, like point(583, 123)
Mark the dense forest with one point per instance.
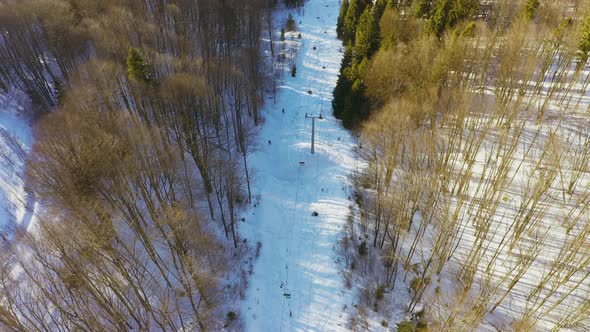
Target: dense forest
point(472, 210)
point(143, 110)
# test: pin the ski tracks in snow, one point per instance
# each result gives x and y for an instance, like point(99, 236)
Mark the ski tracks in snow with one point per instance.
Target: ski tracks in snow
point(295, 285)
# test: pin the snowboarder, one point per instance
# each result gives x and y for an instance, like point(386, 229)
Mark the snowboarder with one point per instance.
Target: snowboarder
point(269, 142)
point(283, 110)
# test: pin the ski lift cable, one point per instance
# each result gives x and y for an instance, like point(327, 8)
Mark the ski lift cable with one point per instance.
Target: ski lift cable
point(298, 210)
point(286, 283)
point(286, 294)
point(295, 207)
point(291, 226)
point(305, 222)
point(315, 229)
point(315, 232)
point(314, 242)
point(282, 312)
point(327, 319)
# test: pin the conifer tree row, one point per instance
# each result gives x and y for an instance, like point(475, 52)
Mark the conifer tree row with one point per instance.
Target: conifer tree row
point(358, 27)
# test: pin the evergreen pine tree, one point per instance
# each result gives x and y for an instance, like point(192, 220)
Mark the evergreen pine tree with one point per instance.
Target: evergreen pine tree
point(423, 8)
point(367, 35)
point(343, 85)
point(448, 13)
point(584, 45)
point(350, 103)
point(290, 23)
point(439, 20)
point(341, 17)
point(356, 106)
point(380, 6)
point(462, 9)
point(530, 9)
point(136, 67)
point(392, 3)
point(353, 14)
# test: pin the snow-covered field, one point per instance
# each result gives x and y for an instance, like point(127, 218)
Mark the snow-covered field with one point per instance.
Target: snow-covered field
point(295, 283)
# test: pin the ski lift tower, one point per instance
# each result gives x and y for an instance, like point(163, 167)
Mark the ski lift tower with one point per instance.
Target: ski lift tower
point(313, 117)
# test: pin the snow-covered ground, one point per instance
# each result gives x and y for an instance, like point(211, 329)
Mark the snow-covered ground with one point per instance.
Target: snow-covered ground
point(516, 207)
point(16, 137)
point(295, 284)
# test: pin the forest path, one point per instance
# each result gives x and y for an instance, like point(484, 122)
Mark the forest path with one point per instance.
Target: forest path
point(295, 284)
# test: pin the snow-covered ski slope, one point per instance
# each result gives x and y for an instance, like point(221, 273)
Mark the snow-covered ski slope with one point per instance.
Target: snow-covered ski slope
point(295, 284)
point(16, 136)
